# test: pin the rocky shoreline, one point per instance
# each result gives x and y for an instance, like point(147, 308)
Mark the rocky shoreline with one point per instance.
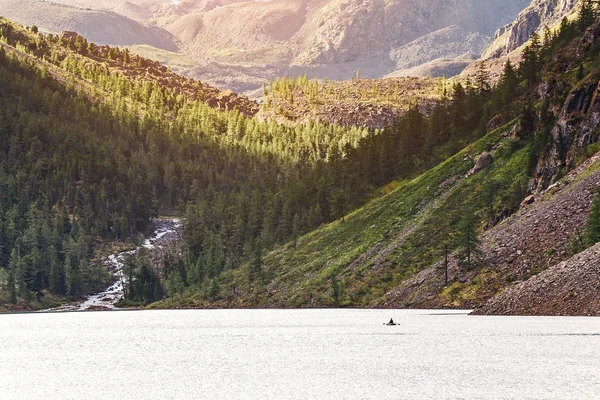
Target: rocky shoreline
point(571, 287)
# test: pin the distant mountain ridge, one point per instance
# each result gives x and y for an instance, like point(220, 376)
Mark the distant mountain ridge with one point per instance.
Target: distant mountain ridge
point(97, 25)
point(239, 44)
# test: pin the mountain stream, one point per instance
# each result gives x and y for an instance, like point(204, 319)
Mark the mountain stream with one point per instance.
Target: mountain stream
point(166, 231)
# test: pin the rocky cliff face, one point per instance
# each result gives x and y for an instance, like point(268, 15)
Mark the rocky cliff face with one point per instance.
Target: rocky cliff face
point(537, 237)
point(403, 33)
point(534, 18)
point(578, 114)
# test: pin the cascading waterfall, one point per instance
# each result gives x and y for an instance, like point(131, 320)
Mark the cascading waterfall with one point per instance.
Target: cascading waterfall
point(107, 299)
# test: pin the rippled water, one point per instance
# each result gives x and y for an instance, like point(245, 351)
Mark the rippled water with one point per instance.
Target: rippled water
point(297, 354)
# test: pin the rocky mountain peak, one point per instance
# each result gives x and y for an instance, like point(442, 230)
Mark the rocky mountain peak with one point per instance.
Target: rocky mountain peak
point(539, 14)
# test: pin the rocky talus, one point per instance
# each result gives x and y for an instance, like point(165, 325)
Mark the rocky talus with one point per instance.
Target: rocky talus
point(571, 287)
point(534, 239)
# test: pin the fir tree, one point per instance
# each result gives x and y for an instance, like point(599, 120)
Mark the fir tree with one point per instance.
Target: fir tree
point(592, 231)
point(12, 290)
point(586, 15)
point(215, 289)
point(337, 291)
point(529, 68)
point(508, 83)
point(255, 270)
point(468, 244)
point(482, 79)
point(528, 121)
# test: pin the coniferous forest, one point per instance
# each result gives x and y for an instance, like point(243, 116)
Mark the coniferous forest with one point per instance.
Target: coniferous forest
point(91, 152)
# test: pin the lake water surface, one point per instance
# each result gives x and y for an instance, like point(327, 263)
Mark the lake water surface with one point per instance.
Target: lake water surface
point(297, 354)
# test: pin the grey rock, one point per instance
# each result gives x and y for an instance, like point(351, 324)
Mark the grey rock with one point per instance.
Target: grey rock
point(482, 161)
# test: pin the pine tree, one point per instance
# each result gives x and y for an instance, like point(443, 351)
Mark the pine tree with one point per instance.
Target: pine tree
point(548, 38)
point(12, 290)
point(482, 79)
point(297, 229)
point(255, 270)
point(57, 274)
point(530, 66)
point(215, 289)
point(198, 271)
point(17, 267)
point(337, 291)
point(528, 121)
point(508, 83)
point(586, 15)
point(468, 245)
point(458, 111)
point(592, 231)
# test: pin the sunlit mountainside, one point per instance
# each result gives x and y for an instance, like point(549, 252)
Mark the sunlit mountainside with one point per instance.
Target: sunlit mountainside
point(239, 44)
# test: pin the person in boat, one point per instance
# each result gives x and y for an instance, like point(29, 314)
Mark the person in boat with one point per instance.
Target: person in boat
point(391, 322)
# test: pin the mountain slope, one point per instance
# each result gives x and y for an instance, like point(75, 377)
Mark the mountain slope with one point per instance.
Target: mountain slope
point(240, 44)
point(569, 288)
point(96, 142)
point(98, 26)
point(540, 17)
point(535, 238)
point(390, 252)
point(338, 37)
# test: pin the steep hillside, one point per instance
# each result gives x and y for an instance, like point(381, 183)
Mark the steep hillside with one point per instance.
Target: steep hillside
point(377, 247)
point(540, 17)
point(549, 231)
point(337, 37)
point(534, 239)
point(525, 190)
point(67, 51)
point(96, 142)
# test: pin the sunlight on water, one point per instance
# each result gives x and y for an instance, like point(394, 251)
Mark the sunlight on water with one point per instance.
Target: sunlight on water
point(298, 354)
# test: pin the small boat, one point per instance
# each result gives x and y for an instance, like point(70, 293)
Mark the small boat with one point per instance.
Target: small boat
point(391, 323)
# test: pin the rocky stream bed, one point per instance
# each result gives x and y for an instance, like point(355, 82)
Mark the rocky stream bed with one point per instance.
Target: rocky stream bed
point(167, 230)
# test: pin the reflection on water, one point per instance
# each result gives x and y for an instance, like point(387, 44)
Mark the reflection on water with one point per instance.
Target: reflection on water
point(297, 354)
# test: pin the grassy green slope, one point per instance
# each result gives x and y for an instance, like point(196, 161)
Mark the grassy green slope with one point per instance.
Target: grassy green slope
point(385, 242)
point(391, 238)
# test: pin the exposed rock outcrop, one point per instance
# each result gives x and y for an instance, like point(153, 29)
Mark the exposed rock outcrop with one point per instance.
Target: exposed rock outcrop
point(482, 161)
point(358, 102)
point(534, 18)
point(577, 119)
point(528, 201)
